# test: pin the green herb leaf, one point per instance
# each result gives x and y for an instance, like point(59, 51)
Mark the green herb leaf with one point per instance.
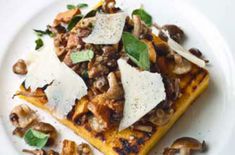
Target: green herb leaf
point(146, 17)
point(92, 13)
point(71, 7)
point(82, 56)
point(82, 5)
point(39, 43)
point(41, 33)
point(36, 138)
point(136, 50)
point(74, 22)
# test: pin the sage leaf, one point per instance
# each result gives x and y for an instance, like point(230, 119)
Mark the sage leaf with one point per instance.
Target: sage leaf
point(36, 138)
point(82, 5)
point(145, 16)
point(136, 50)
point(71, 7)
point(74, 22)
point(81, 56)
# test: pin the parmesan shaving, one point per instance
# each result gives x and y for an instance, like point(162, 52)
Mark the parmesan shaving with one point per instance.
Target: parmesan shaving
point(64, 85)
point(108, 29)
point(181, 50)
point(143, 92)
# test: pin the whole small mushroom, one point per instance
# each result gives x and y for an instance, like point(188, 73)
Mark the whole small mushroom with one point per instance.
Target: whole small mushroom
point(20, 67)
point(185, 146)
point(47, 129)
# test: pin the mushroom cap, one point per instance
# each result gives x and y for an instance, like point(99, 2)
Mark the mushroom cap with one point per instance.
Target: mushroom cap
point(188, 142)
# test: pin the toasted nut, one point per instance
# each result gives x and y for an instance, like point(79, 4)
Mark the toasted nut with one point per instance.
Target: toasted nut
point(84, 149)
point(22, 116)
point(69, 148)
point(47, 129)
point(185, 146)
point(20, 67)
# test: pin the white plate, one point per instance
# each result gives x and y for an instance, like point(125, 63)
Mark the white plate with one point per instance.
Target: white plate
point(208, 27)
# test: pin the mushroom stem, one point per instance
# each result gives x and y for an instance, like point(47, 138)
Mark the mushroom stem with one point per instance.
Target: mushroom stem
point(185, 151)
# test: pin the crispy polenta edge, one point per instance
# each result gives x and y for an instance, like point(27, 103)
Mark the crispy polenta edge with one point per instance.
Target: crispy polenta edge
point(196, 87)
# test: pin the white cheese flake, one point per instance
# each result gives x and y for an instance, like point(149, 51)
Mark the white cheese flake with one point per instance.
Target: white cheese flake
point(181, 50)
point(65, 85)
point(143, 92)
point(108, 29)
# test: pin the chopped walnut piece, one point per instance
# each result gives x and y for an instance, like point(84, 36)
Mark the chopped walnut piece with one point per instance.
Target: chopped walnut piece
point(22, 116)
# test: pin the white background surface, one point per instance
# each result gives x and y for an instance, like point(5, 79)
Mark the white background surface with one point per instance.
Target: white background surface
point(209, 25)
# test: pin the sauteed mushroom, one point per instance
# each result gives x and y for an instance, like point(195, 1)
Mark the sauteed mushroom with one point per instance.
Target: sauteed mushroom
point(115, 91)
point(22, 116)
point(137, 26)
point(183, 67)
point(20, 67)
point(47, 129)
point(185, 146)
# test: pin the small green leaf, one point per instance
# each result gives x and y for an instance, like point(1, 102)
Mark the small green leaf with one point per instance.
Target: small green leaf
point(81, 56)
point(36, 138)
point(41, 33)
point(71, 7)
point(145, 16)
point(82, 5)
point(39, 43)
point(74, 22)
point(92, 13)
point(136, 50)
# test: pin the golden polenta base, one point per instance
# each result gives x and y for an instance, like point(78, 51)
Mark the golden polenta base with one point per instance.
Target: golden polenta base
point(192, 85)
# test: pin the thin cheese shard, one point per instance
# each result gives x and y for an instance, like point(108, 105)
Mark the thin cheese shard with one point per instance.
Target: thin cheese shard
point(143, 92)
point(65, 86)
point(181, 50)
point(108, 29)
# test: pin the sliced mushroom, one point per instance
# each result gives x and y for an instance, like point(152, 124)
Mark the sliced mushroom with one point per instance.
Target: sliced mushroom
point(151, 51)
point(69, 148)
point(115, 91)
point(144, 128)
point(175, 32)
point(84, 149)
point(22, 116)
point(97, 124)
point(183, 67)
point(101, 112)
point(185, 146)
point(47, 129)
point(20, 67)
point(65, 17)
point(160, 117)
point(35, 152)
point(137, 26)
